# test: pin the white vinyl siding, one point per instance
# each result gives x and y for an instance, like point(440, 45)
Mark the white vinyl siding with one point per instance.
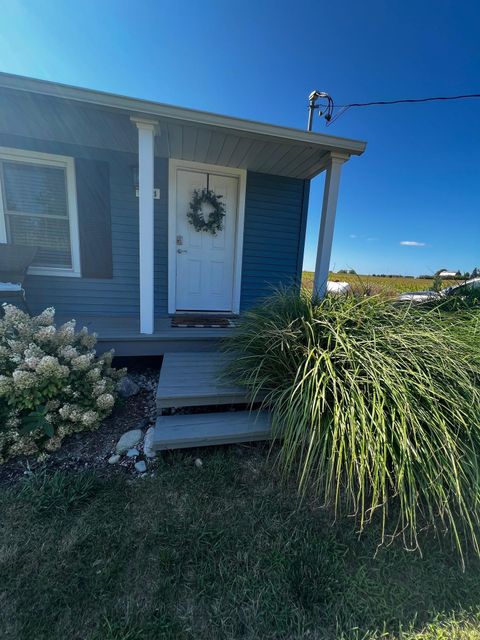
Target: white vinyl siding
point(38, 208)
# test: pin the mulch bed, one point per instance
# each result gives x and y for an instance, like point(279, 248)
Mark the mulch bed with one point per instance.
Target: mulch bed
point(88, 449)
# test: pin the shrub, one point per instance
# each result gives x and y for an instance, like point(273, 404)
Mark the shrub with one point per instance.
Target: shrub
point(377, 405)
point(51, 382)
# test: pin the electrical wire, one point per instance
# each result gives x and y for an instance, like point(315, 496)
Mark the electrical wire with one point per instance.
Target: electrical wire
point(344, 107)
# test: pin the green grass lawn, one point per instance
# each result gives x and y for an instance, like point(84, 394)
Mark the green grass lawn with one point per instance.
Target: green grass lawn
point(221, 551)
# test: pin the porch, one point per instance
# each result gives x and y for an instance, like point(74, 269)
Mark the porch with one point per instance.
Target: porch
point(122, 333)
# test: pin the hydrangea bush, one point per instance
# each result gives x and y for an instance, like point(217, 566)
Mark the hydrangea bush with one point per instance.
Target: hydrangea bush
point(51, 382)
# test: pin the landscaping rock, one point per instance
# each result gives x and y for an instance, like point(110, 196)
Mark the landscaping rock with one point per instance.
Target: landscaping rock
point(114, 459)
point(126, 387)
point(132, 453)
point(128, 440)
point(140, 466)
point(148, 444)
point(198, 463)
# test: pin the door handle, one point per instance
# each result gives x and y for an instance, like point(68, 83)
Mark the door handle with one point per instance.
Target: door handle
point(181, 251)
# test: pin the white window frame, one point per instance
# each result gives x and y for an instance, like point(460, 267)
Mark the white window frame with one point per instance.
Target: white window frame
point(173, 167)
point(50, 160)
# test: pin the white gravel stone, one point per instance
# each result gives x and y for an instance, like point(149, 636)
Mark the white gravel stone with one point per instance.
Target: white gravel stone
point(140, 466)
point(114, 459)
point(198, 462)
point(128, 440)
point(148, 444)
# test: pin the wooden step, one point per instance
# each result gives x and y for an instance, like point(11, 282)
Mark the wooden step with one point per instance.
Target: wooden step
point(207, 429)
point(194, 379)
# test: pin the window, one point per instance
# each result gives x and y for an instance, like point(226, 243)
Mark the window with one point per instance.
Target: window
point(38, 208)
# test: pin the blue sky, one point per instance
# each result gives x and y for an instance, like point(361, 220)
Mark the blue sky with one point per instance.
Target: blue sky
point(419, 180)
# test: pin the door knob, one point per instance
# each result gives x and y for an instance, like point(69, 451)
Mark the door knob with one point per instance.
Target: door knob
point(181, 251)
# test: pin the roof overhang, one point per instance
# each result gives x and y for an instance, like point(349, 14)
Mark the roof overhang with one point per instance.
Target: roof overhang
point(188, 134)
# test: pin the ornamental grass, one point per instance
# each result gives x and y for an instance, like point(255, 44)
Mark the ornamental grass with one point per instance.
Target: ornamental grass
point(377, 406)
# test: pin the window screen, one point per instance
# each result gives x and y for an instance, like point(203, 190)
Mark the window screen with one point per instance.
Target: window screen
point(36, 210)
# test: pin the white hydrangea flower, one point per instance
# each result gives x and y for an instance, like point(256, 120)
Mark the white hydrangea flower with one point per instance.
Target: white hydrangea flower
point(80, 363)
point(13, 423)
point(45, 318)
point(23, 379)
point(68, 352)
point(33, 351)
point(65, 411)
point(32, 362)
point(93, 374)
point(88, 340)
point(89, 418)
point(46, 333)
point(48, 365)
point(16, 346)
point(14, 314)
point(105, 401)
point(99, 387)
point(66, 332)
point(76, 414)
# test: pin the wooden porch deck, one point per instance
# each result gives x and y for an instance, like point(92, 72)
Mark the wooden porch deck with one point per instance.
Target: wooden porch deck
point(122, 333)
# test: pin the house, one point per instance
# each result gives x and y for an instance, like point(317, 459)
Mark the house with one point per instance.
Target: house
point(102, 185)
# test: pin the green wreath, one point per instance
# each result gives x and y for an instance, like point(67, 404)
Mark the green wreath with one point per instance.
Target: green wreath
point(214, 223)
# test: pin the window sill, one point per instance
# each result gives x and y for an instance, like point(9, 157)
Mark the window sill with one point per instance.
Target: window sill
point(51, 271)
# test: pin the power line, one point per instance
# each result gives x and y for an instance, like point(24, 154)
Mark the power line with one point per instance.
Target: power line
point(369, 104)
point(327, 110)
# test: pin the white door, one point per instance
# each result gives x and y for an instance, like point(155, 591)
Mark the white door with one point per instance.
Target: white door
point(205, 262)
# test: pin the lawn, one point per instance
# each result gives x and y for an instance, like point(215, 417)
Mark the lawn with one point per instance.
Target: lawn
point(396, 284)
point(217, 551)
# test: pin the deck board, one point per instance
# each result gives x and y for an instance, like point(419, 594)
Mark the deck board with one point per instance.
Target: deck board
point(122, 333)
point(207, 429)
point(196, 379)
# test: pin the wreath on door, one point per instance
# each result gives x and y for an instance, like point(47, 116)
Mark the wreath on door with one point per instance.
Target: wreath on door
point(214, 223)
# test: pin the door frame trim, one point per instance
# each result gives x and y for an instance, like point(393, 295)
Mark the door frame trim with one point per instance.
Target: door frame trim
point(241, 174)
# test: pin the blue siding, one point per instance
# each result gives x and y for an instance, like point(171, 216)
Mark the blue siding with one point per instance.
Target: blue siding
point(116, 296)
point(275, 217)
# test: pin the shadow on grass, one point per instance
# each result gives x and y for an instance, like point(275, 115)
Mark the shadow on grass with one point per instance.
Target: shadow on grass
point(221, 551)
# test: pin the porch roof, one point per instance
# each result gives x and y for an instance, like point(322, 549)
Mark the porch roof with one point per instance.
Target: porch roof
point(188, 134)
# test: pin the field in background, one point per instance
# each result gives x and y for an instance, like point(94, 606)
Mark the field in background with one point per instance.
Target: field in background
point(396, 284)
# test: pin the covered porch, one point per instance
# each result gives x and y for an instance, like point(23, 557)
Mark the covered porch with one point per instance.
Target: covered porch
point(133, 168)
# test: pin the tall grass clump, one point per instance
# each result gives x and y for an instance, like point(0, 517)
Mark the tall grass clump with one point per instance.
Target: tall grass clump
point(377, 407)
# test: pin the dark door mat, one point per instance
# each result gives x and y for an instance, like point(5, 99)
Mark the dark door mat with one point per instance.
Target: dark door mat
point(202, 322)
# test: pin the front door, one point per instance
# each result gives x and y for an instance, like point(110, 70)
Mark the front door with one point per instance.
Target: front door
point(205, 262)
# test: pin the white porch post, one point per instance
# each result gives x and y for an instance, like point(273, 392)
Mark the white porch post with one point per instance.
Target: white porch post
point(146, 139)
point(327, 224)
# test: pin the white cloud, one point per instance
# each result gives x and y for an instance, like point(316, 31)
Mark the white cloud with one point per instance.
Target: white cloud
point(352, 235)
point(412, 243)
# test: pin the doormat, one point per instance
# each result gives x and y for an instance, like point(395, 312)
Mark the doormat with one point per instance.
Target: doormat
point(202, 322)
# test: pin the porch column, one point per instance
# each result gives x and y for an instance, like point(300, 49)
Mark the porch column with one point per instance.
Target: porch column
point(327, 223)
point(146, 139)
